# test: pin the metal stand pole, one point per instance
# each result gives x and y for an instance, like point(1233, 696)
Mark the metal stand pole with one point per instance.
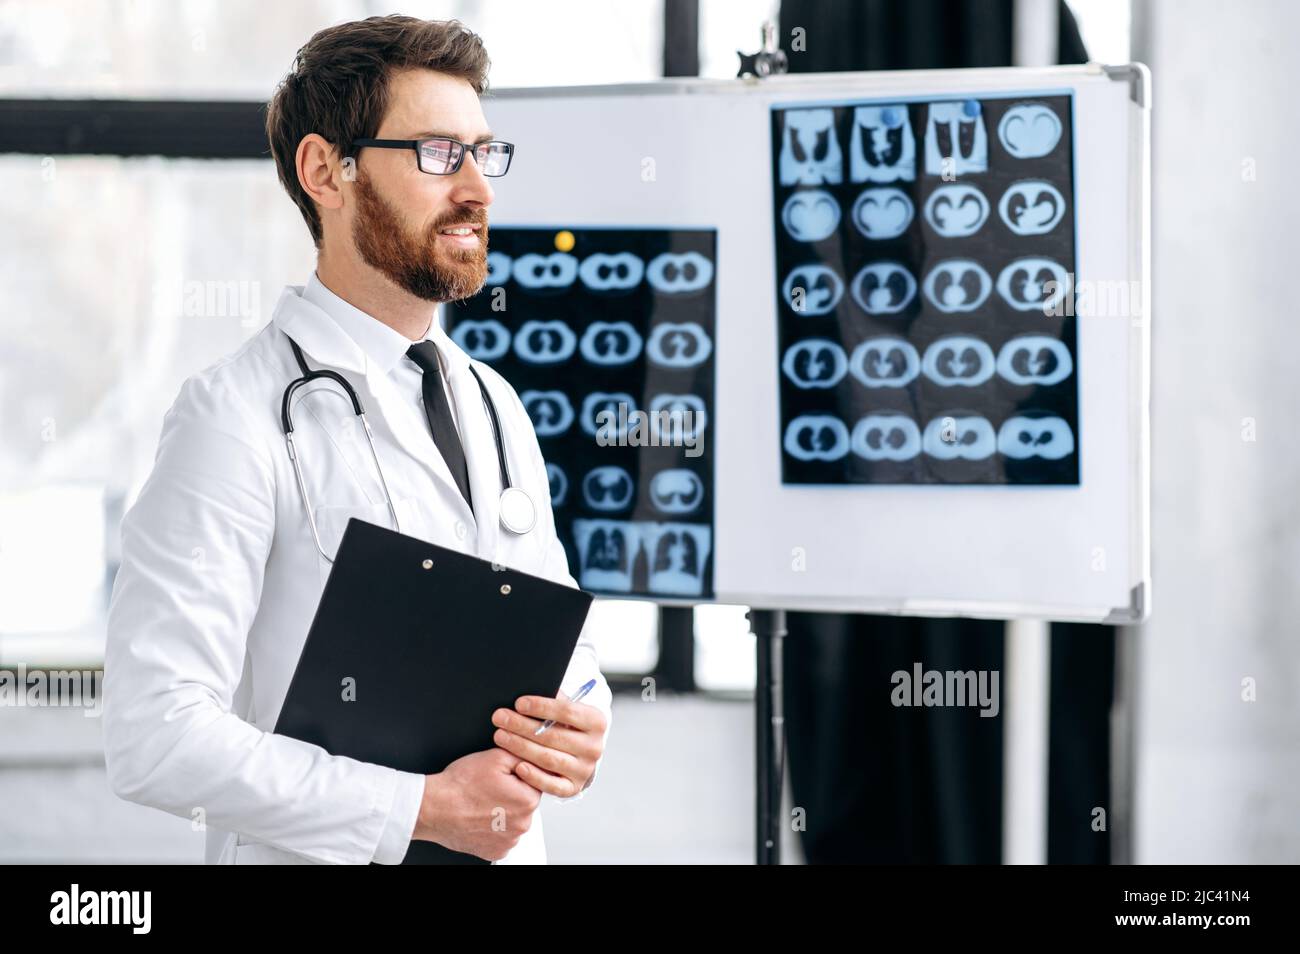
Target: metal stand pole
point(1026, 730)
point(768, 627)
point(1123, 739)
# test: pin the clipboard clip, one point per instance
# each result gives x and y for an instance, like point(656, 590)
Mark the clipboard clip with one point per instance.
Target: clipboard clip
point(427, 564)
point(770, 60)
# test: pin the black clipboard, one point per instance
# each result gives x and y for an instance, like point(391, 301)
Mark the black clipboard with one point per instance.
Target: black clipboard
point(434, 641)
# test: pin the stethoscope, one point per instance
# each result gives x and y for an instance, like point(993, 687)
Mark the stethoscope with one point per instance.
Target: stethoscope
point(518, 514)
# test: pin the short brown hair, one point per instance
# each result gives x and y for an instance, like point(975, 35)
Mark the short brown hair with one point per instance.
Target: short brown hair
point(338, 86)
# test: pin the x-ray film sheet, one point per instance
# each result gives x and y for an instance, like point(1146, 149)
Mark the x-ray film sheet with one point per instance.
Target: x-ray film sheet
point(925, 261)
point(608, 337)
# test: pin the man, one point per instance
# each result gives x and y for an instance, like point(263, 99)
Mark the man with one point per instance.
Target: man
point(220, 570)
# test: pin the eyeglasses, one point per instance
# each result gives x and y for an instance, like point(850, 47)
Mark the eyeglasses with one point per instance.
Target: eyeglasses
point(441, 156)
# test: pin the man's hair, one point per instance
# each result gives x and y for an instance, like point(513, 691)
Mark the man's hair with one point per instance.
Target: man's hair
point(338, 86)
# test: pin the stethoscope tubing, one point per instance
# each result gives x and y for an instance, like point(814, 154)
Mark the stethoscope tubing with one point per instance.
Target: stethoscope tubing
point(286, 422)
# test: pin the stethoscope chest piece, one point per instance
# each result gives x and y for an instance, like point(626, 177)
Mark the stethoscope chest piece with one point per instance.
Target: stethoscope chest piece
point(518, 514)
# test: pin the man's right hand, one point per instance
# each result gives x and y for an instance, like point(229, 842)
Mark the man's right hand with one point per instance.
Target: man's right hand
point(477, 805)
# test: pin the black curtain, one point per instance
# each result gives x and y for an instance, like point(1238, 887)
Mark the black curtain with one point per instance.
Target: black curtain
point(909, 34)
point(887, 784)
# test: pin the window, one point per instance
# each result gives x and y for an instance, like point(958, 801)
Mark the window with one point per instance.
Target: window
point(123, 276)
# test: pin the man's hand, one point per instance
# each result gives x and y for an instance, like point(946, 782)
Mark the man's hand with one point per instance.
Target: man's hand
point(562, 759)
point(477, 805)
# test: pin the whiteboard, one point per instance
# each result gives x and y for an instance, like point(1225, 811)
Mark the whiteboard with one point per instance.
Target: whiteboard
point(697, 154)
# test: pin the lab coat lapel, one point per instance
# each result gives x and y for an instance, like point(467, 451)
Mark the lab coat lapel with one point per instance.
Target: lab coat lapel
point(481, 457)
point(411, 433)
point(316, 333)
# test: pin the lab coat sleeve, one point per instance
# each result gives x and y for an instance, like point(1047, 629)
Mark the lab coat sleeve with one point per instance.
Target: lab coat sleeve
point(585, 663)
point(194, 550)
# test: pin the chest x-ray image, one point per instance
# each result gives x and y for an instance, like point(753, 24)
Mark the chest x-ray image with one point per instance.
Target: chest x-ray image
point(925, 258)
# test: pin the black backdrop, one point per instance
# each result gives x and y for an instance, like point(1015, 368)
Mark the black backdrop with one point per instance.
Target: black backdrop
point(886, 784)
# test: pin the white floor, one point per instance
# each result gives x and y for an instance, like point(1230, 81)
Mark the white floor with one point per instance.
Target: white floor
point(676, 786)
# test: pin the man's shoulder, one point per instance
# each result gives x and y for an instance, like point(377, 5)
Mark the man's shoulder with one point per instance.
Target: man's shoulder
point(238, 385)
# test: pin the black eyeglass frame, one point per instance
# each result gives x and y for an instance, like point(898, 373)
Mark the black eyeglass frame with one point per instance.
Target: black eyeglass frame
point(465, 149)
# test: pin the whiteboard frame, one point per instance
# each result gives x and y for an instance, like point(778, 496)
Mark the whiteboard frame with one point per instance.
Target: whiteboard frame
point(911, 84)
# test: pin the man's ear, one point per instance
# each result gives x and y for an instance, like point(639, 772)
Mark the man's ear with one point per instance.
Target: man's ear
point(320, 172)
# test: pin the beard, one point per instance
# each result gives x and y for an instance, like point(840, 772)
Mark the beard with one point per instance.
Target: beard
point(418, 263)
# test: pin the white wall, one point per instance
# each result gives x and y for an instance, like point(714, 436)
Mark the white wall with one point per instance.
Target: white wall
point(1218, 778)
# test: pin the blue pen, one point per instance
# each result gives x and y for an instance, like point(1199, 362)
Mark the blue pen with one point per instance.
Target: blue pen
point(587, 686)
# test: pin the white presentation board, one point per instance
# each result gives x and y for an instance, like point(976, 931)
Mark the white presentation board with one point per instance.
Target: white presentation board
point(929, 536)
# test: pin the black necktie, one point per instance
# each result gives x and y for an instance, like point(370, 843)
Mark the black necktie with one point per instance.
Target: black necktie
point(438, 411)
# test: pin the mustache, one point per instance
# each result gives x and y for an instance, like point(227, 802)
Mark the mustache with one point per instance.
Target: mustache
point(470, 217)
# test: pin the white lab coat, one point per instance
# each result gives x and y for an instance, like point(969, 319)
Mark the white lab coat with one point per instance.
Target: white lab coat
point(220, 580)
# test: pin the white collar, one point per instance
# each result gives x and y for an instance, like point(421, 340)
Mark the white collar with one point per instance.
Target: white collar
point(382, 345)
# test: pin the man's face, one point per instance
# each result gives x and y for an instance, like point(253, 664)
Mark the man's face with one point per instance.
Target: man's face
point(401, 215)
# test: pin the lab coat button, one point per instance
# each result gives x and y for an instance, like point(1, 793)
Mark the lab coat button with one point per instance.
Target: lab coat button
point(460, 529)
